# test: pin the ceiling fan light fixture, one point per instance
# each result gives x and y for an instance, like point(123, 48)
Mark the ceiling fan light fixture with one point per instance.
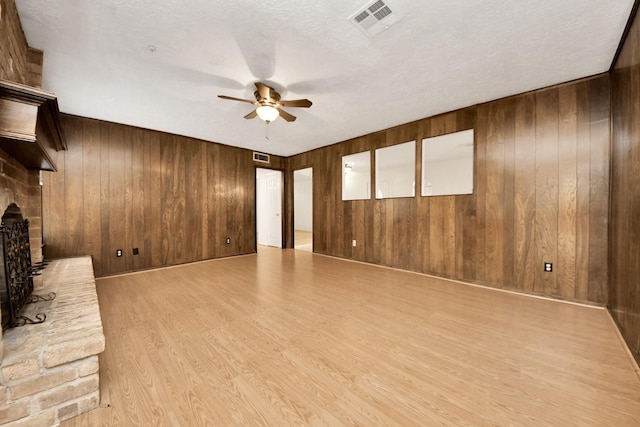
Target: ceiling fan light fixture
point(269, 103)
point(267, 113)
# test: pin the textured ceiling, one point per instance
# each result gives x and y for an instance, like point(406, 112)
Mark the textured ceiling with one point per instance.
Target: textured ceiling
point(440, 56)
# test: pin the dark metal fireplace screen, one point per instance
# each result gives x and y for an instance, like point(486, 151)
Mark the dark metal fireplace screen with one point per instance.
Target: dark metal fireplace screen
point(18, 273)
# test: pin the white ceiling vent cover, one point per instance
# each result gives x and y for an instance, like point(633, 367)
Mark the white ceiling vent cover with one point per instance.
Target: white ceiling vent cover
point(375, 17)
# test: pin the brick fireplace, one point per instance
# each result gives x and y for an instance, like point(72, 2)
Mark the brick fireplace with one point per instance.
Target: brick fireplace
point(21, 186)
point(49, 372)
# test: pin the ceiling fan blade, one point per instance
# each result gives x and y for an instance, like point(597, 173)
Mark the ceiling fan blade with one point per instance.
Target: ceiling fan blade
point(251, 115)
point(264, 90)
point(304, 103)
point(231, 98)
point(288, 117)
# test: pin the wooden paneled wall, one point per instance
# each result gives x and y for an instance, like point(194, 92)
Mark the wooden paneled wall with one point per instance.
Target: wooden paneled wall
point(624, 279)
point(19, 63)
point(541, 194)
point(174, 198)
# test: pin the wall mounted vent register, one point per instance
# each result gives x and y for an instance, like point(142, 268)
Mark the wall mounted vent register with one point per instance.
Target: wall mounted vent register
point(375, 17)
point(260, 157)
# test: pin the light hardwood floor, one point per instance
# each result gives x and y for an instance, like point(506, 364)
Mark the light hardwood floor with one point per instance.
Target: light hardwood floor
point(303, 240)
point(293, 338)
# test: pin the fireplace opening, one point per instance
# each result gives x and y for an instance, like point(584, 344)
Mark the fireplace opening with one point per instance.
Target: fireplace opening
point(16, 274)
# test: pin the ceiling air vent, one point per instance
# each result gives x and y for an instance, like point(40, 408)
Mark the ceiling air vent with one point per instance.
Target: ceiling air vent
point(374, 17)
point(260, 157)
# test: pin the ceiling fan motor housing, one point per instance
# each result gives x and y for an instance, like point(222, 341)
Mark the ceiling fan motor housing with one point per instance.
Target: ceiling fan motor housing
point(272, 98)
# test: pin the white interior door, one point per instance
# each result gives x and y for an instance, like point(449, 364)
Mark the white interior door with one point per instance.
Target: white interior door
point(269, 207)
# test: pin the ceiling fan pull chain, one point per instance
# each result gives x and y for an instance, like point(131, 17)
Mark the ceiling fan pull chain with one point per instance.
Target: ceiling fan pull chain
point(266, 131)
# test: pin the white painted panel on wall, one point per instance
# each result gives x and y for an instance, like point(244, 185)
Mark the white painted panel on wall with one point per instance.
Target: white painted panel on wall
point(356, 176)
point(447, 164)
point(396, 171)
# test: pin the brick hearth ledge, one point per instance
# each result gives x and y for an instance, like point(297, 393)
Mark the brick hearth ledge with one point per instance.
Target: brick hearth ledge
point(49, 372)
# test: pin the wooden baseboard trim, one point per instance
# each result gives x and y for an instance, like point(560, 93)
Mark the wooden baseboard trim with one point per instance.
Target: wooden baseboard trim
point(146, 270)
point(491, 288)
point(634, 362)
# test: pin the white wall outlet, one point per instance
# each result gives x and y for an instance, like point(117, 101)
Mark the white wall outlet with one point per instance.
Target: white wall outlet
point(353, 243)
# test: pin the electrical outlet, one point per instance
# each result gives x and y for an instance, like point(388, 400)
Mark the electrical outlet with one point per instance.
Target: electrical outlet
point(548, 267)
point(136, 251)
point(118, 252)
point(353, 243)
point(228, 240)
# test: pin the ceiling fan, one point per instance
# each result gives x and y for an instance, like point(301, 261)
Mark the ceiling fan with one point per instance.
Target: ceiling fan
point(268, 104)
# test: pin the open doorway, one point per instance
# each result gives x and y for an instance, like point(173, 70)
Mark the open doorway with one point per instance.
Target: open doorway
point(303, 209)
point(269, 207)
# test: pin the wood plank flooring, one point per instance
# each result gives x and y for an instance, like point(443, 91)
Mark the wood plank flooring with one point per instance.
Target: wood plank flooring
point(289, 337)
point(303, 240)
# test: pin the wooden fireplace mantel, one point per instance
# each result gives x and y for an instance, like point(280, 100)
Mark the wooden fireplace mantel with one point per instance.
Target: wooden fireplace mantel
point(30, 128)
